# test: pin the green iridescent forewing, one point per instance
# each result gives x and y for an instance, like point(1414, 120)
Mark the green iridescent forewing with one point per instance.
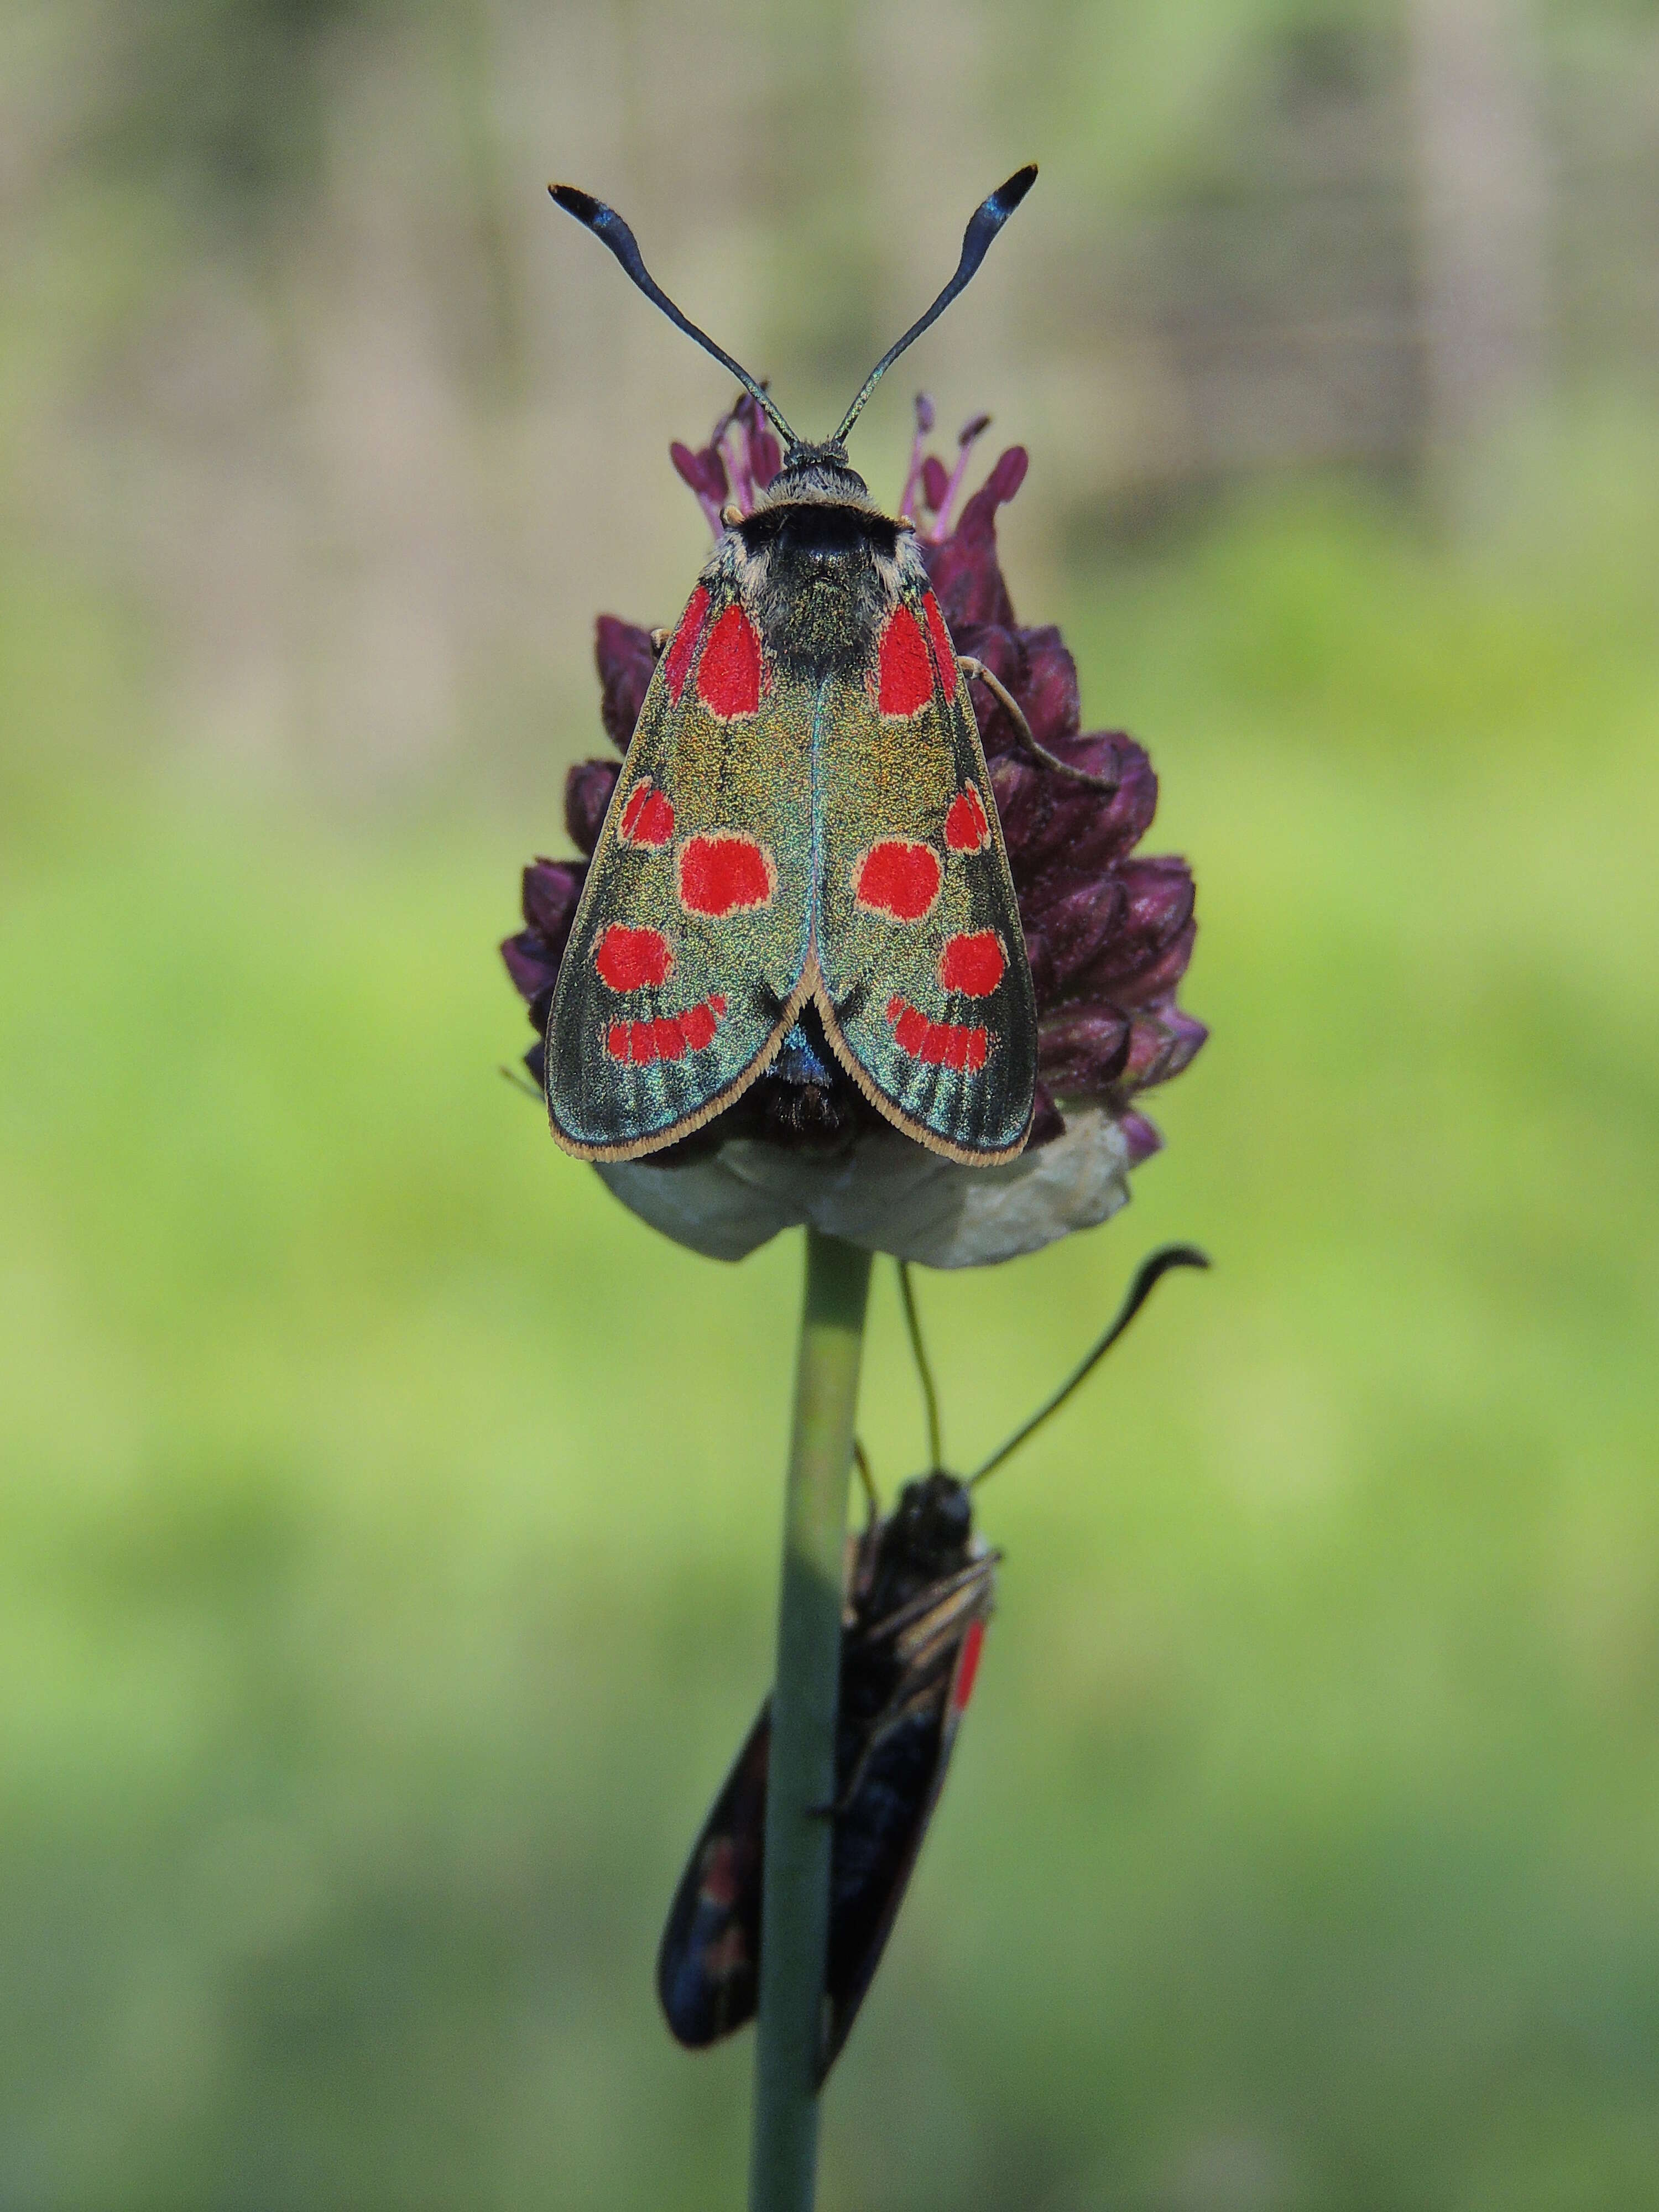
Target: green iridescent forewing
point(686, 958)
point(918, 943)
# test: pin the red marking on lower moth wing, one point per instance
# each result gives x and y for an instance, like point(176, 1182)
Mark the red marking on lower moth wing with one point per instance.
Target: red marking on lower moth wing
point(647, 818)
point(911, 1029)
point(899, 878)
point(944, 652)
point(937, 1044)
point(904, 679)
point(968, 1666)
point(729, 673)
point(966, 830)
point(699, 1024)
point(633, 959)
point(719, 1883)
point(676, 661)
point(721, 872)
point(973, 964)
point(671, 1036)
point(727, 1955)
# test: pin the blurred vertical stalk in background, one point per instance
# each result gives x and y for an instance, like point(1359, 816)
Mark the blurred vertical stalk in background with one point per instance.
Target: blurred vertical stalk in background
point(1481, 221)
point(795, 1911)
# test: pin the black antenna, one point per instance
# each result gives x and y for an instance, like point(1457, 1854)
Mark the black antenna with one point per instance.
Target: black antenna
point(608, 227)
point(986, 222)
point(924, 1372)
point(1171, 1256)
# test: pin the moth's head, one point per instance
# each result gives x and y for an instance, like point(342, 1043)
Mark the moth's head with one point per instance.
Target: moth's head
point(817, 475)
point(934, 1518)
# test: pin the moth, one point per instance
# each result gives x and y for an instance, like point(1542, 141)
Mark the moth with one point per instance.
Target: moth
point(803, 846)
point(920, 1587)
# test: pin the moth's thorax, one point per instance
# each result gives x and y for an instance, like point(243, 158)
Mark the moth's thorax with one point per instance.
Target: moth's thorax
point(929, 1534)
point(819, 566)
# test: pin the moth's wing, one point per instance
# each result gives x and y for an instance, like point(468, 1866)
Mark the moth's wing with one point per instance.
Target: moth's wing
point(879, 1837)
point(708, 1961)
point(928, 999)
point(684, 964)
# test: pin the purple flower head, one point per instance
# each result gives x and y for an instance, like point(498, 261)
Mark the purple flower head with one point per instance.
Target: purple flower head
point(1108, 932)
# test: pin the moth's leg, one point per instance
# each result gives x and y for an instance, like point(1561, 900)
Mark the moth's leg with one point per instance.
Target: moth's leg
point(970, 667)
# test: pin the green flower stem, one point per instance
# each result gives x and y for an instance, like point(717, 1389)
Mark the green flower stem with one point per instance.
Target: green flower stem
point(795, 1911)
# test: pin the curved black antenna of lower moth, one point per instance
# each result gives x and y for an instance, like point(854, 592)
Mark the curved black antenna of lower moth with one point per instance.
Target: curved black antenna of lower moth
point(1151, 1270)
point(608, 227)
point(924, 1371)
point(983, 225)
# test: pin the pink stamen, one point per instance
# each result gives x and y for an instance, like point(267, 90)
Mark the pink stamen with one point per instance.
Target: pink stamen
point(912, 476)
point(970, 433)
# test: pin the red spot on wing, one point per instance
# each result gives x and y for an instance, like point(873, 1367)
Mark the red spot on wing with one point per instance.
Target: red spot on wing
point(938, 1044)
point(905, 679)
point(721, 872)
point(718, 1885)
point(966, 830)
point(647, 818)
point(973, 964)
point(898, 877)
point(728, 675)
point(670, 1037)
point(968, 1666)
point(944, 652)
point(676, 661)
point(633, 959)
point(727, 1955)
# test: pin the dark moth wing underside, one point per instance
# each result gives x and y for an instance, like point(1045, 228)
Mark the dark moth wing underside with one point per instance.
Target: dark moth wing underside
point(708, 1962)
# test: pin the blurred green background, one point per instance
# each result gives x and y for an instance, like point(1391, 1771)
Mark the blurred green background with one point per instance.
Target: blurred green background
point(389, 1519)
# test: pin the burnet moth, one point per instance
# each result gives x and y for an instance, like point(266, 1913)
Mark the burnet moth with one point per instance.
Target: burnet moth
point(803, 847)
point(920, 1587)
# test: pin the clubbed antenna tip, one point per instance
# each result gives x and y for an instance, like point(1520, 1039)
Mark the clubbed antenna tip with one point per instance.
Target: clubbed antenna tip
point(983, 225)
point(608, 227)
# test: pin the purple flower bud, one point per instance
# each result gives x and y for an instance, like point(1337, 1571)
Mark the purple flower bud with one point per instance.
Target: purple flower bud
point(1049, 820)
point(1078, 913)
point(998, 648)
point(587, 788)
point(1157, 978)
point(704, 471)
point(624, 656)
point(1161, 1044)
point(1156, 926)
point(765, 456)
point(935, 482)
point(529, 963)
point(1047, 691)
point(926, 417)
point(1082, 1053)
point(964, 567)
point(551, 888)
point(1141, 1136)
point(1047, 1120)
